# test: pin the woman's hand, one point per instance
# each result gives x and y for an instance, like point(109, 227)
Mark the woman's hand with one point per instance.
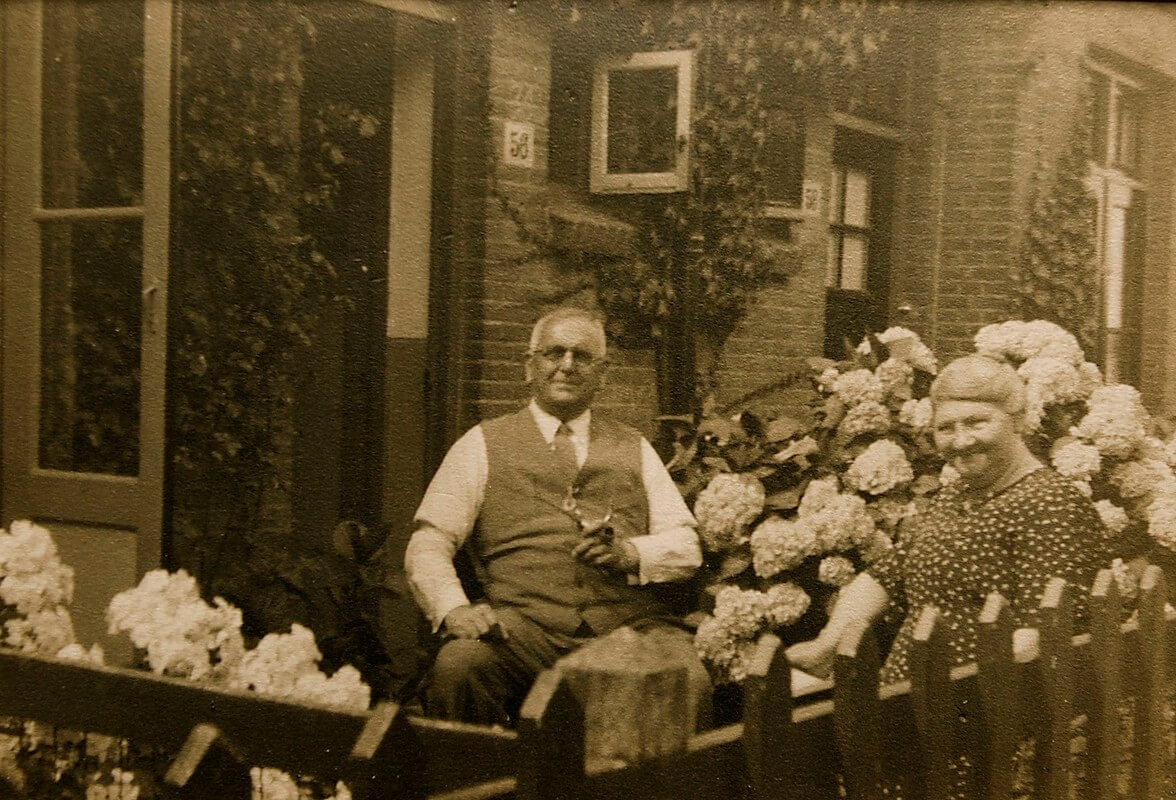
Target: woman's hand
point(814, 656)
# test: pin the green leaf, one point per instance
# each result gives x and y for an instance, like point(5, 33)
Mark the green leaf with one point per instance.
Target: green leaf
point(785, 500)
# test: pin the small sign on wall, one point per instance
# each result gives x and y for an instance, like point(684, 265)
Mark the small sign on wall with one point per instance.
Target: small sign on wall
point(518, 144)
point(812, 193)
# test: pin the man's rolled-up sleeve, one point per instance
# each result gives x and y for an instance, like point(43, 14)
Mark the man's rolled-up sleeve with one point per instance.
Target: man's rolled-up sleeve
point(444, 520)
point(670, 551)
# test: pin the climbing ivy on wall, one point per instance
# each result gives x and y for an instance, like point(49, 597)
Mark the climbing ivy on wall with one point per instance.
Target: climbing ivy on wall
point(1058, 260)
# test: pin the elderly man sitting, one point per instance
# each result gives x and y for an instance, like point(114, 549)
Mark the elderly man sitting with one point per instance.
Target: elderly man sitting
point(572, 522)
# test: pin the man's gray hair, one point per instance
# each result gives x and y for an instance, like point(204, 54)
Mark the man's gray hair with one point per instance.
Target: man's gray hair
point(587, 315)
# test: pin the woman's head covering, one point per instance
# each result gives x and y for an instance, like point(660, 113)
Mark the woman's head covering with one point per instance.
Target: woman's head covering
point(980, 379)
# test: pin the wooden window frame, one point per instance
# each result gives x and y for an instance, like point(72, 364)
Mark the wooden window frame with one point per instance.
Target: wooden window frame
point(600, 180)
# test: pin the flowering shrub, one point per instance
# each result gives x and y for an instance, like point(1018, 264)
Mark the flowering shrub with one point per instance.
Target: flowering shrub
point(35, 590)
point(790, 510)
point(787, 506)
point(179, 634)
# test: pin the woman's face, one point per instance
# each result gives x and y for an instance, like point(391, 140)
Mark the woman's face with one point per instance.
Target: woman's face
point(979, 440)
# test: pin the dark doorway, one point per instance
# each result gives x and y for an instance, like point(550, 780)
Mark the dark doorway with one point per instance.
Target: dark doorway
point(339, 417)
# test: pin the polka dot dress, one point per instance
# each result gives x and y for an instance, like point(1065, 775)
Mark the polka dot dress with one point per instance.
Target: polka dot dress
point(955, 553)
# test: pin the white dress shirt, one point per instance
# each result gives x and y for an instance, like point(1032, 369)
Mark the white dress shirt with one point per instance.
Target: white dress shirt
point(446, 516)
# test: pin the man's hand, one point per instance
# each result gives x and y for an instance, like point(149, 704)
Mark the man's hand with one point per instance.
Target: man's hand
point(472, 622)
point(598, 551)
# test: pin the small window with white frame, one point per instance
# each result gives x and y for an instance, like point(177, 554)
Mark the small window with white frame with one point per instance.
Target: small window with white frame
point(641, 122)
point(1117, 179)
point(849, 228)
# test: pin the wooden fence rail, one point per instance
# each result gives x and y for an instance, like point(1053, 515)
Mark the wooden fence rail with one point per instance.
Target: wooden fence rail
point(852, 732)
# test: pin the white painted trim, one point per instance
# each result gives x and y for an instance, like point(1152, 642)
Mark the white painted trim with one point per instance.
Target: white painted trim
point(863, 125)
point(1115, 75)
point(86, 214)
point(410, 206)
point(425, 9)
point(105, 501)
point(600, 180)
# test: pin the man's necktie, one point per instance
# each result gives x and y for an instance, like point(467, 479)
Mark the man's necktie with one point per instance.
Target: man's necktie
point(565, 452)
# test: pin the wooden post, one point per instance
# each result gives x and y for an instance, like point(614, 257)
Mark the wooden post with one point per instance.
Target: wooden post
point(551, 739)
point(636, 693)
point(857, 720)
point(386, 761)
point(1103, 749)
point(930, 662)
point(206, 766)
point(767, 716)
point(780, 763)
point(1056, 668)
point(1147, 774)
point(994, 656)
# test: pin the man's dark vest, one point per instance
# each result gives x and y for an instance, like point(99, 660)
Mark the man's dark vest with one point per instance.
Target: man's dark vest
point(523, 541)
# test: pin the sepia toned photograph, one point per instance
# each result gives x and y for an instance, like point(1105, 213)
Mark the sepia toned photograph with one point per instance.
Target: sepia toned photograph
point(569, 399)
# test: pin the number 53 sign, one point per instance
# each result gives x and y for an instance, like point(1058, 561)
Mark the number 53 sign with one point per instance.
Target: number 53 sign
point(518, 144)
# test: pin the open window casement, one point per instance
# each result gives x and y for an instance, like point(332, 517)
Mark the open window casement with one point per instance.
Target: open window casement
point(641, 122)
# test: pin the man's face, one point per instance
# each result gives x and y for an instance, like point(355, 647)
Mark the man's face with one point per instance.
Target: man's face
point(567, 367)
point(977, 439)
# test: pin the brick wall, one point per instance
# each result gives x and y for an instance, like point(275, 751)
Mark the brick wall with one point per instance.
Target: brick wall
point(515, 277)
point(993, 99)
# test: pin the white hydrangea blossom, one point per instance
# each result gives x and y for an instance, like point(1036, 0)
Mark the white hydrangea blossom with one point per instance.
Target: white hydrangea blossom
point(787, 603)
point(742, 611)
point(1115, 421)
point(779, 544)
point(879, 468)
point(1084, 488)
point(726, 507)
point(37, 587)
point(917, 414)
point(1140, 478)
point(1114, 518)
point(948, 475)
point(836, 571)
point(843, 523)
point(817, 495)
point(1049, 381)
point(1017, 341)
point(896, 377)
point(1075, 459)
point(858, 386)
point(866, 417)
point(166, 616)
point(1161, 520)
point(906, 345)
point(1089, 377)
point(285, 666)
point(715, 643)
point(828, 379)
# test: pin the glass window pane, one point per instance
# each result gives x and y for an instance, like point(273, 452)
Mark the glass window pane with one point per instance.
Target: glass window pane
point(857, 198)
point(854, 250)
point(90, 308)
point(92, 103)
point(642, 120)
point(1127, 130)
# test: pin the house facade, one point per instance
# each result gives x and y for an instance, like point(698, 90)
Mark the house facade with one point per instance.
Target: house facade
point(497, 196)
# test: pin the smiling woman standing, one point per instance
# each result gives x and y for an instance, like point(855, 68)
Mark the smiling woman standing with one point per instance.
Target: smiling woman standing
point(1008, 525)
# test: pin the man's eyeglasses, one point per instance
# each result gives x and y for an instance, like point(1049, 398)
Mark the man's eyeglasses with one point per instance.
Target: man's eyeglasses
point(580, 358)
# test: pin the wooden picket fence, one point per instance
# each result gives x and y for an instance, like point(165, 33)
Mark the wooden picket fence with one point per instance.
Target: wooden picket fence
point(852, 735)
